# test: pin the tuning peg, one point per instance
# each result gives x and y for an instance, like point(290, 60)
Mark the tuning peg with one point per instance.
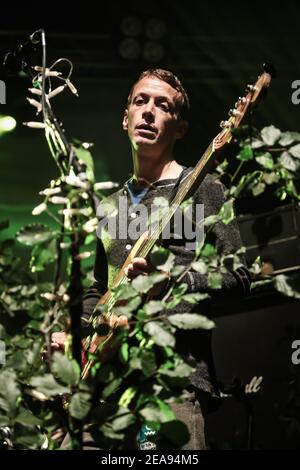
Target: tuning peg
point(234, 112)
point(251, 88)
point(241, 100)
point(226, 125)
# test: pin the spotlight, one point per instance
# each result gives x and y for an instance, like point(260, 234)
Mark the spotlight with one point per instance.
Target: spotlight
point(130, 49)
point(7, 124)
point(131, 26)
point(153, 51)
point(155, 28)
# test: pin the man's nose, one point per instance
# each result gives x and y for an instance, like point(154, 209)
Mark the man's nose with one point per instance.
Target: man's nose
point(149, 112)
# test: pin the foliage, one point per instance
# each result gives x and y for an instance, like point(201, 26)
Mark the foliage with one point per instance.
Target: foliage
point(43, 398)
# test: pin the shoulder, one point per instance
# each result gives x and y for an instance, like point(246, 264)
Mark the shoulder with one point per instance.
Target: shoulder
point(211, 188)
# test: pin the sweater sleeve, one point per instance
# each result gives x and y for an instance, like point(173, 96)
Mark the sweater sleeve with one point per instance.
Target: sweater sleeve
point(226, 238)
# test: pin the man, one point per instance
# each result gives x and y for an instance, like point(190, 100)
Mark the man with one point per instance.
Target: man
point(155, 118)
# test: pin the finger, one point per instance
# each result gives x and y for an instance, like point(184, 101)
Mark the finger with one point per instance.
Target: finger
point(135, 273)
point(141, 263)
point(115, 321)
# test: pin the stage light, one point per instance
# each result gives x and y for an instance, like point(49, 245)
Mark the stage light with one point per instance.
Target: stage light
point(131, 26)
point(130, 49)
point(153, 51)
point(7, 124)
point(155, 28)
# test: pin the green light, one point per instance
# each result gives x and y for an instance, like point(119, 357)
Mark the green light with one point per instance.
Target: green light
point(7, 124)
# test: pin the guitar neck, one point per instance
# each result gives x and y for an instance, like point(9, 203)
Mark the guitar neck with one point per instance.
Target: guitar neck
point(186, 190)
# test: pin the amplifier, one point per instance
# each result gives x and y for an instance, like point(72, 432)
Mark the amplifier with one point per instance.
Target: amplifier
point(275, 237)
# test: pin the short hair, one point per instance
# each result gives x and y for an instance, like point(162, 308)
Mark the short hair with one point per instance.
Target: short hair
point(183, 105)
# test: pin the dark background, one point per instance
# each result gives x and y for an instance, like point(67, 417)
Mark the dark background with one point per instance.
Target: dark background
point(215, 50)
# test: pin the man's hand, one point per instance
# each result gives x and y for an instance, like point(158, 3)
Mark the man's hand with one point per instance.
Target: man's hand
point(110, 342)
point(58, 341)
point(143, 266)
point(108, 345)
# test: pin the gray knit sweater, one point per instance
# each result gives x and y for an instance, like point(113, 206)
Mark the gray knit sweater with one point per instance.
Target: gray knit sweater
point(112, 253)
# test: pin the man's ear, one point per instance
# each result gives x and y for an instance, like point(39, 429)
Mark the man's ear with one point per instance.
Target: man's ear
point(182, 128)
point(125, 120)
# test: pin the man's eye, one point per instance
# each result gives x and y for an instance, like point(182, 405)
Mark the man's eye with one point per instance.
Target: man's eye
point(139, 101)
point(164, 107)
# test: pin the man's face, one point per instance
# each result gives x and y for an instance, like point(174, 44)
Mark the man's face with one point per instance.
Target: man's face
point(151, 118)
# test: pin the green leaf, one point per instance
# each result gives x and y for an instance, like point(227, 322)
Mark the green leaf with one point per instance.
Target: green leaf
point(256, 266)
point(154, 306)
point(211, 220)
point(80, 405)
point(178, 291)
point(128, 396)
point(160, 335)
point(256, 144)
point(68, 371)
point(26, 418)
point(124, 292)
point(258, 189)
point(288, 162)
point(153, 414)
point(288, 285)
point(200, 266)
point(135, 359)
point(208, 250)
point(189, 321)
point(28, 438)
point(48, 386)
point(122, 420)
point(195, 297)
point(112, 387)
point(124, 353)
point(246, 153)
point(270, 134)
point(165, 408)
point(181, 370)
point(33, 234)
point(214, 280)
point(247, 182)
point(130, 307)
point(148, 362)
point(271, 178)
point(42, 255)
point(227, 212)
point(162, 258)
point(177, 270)
point(142, 283)
point(287, 138)
point(85, 156)
point(295, 151)
point(4, 420)
point(265, 160)
point(9, 392)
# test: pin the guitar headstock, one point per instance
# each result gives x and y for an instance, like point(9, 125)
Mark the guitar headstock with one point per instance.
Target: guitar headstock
point(241, 108)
